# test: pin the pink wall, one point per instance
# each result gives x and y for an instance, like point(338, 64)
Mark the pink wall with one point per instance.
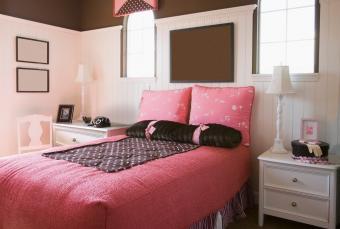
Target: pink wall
point(64, 59)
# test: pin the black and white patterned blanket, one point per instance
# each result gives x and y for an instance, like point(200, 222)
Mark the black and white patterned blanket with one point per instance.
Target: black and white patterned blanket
point(124, 154)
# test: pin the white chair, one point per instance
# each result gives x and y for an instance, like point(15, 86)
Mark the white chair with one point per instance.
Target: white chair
point(33, 126)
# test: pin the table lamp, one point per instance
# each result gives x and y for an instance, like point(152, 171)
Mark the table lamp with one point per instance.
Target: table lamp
point(84, 77)
point(280, 86)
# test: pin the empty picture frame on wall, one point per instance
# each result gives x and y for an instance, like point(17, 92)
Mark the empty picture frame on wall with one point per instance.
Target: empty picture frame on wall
point(32, 50)
point(32, 80)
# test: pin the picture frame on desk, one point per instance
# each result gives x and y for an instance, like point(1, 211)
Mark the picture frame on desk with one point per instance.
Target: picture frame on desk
point(65, 113)
point(309, 129)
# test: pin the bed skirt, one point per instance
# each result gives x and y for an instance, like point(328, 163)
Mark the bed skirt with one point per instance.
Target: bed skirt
point(233, 210)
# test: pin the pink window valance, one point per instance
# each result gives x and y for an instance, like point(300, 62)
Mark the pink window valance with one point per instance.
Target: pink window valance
point(126, 7)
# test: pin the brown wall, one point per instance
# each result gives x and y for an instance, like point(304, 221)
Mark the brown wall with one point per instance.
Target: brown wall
point(63, 13)
point(93, 14)
point(98, 13)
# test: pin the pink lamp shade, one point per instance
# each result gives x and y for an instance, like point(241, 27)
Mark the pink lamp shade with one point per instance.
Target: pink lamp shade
point(126, 7)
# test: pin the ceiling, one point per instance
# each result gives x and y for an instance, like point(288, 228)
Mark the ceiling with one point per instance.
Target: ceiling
point(82, 15)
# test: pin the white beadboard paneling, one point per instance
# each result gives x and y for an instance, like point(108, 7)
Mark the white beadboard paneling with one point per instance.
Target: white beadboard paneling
point(269, 108)
point(320, 107)
point(257, 138)
point(332, 87)
point(309, 99)
point(297, 109)
point(316, 98)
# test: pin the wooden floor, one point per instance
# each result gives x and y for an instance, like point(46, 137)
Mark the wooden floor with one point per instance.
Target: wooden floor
point(269, 222)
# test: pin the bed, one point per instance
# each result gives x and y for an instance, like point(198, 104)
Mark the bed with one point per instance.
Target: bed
point(174, 192)
point(197, 189)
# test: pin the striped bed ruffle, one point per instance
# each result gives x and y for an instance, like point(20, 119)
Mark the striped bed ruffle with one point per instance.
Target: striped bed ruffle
point(233, 210)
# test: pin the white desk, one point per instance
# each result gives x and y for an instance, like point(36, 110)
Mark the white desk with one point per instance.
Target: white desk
point(78, 132)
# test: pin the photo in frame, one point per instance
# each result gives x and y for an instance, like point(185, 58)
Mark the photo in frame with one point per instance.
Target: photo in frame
point(309, 129)
point(65, 113)
point(30, 50)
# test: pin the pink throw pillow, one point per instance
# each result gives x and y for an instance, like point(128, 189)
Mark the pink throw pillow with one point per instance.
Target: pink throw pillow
point(229, 106)
point(171, 105)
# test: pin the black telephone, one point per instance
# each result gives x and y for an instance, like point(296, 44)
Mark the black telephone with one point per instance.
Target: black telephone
point(100, 122)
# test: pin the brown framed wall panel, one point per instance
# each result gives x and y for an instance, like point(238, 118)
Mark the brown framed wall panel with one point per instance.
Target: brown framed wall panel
point(202, 54)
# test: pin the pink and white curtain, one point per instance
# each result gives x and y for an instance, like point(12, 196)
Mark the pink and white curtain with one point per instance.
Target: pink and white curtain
point(126, 7)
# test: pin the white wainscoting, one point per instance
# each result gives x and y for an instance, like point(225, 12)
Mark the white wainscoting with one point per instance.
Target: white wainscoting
point(316, 97)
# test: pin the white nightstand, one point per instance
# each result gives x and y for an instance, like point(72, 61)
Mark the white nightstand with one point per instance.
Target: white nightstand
point(75, 133)
point(297, 191)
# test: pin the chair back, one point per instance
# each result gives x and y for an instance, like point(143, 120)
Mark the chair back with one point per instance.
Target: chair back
point(30, 132)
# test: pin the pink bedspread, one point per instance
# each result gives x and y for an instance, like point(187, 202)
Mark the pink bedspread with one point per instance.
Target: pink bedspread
point(175, 192)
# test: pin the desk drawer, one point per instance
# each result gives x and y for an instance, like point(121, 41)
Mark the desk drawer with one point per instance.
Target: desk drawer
point(69, 137)
point(296, 205)
point(301, 180)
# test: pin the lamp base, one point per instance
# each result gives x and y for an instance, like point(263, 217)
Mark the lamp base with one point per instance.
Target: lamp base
point(278, 147)
point(82, 112)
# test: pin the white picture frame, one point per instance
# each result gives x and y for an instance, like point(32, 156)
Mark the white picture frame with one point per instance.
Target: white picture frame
point(309, 129)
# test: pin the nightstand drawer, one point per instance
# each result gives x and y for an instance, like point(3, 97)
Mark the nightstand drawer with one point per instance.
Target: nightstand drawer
point(296, 205)
point(66, 137)
point(301, 180)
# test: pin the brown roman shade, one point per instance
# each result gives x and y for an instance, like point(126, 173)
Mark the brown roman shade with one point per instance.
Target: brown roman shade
point(126, 7)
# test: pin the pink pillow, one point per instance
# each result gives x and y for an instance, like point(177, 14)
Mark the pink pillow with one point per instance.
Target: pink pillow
point(172, 105)
point(229, 106)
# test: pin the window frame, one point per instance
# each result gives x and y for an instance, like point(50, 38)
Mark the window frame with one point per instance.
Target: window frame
point(256, 41)
point(123, 64)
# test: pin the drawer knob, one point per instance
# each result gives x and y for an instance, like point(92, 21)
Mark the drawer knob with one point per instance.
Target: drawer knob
point(295, 180)
point(294, 204)
point(74, 140)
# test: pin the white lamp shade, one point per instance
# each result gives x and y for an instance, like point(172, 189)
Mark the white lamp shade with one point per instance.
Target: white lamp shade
point(281, 83)
point(84, 75)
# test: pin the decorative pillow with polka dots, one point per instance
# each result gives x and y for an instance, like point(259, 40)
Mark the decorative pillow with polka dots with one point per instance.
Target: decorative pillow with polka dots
point(171, 105)
point(229, 106)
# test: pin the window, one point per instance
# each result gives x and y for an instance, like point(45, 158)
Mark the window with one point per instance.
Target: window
point(288, 34)
point(139, 45)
